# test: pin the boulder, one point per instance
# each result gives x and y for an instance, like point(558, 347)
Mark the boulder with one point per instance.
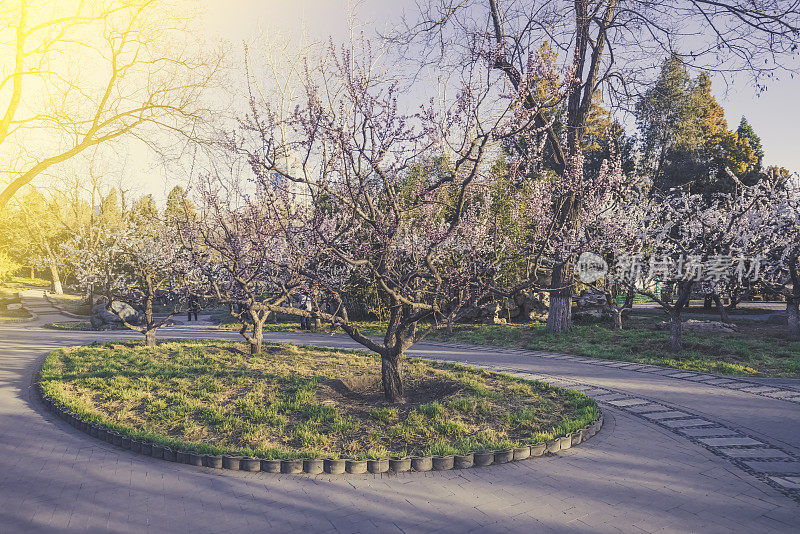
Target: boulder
point(491, 314)
point(591, 303)
point(126, 311)
point(529, 306)
point(102, 316)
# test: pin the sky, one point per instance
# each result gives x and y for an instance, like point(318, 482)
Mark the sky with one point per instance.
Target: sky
point(774, 114)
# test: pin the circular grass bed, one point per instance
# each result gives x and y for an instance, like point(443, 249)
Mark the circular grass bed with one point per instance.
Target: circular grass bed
point(297, 401)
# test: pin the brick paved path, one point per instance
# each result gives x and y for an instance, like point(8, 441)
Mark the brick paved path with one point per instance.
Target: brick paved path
point(675, 455)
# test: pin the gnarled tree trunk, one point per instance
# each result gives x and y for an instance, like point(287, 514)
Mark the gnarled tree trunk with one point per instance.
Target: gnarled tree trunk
point(559, 315)
point(392, 378)
point(257, 339)
point(150, 338)
point(618, 318)
point(723, 311)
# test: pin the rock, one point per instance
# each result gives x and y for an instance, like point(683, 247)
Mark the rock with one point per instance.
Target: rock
point(491, 314)
point(126, 311)
point(530, 305)
point(101, 316)
point(694, 325)
point(591, 304)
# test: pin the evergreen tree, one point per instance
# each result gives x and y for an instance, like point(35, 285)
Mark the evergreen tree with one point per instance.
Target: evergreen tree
point(685, 137)
point(110, 210)
point(747, 135)
point(178, 206)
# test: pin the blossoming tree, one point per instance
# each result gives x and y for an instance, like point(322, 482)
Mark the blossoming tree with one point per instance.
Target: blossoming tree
point(370, 198)
point(241, 251)
point(137, 265)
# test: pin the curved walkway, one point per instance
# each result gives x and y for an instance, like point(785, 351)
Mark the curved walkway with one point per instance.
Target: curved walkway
point(674, 455)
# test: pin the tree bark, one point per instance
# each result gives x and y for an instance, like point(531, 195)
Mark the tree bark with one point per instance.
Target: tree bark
point(391, 378)
point(666, 291)
point(559, 315)
point(150, 338)
point(57, 288)
point(793, 319)
point(618, 318)
point(723, 311)
point(257, 339)
point(675, 339)
point(629, 298)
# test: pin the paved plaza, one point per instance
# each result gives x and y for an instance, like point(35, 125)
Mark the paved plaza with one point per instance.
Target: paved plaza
point(679, 452)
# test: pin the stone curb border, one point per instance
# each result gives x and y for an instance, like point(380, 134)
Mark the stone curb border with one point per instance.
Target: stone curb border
point(30, 319)
point(313, 466)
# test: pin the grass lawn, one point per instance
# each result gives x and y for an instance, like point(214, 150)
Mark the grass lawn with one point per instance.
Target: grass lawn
point(26, 281)
point(295, 401)
point(757, 350)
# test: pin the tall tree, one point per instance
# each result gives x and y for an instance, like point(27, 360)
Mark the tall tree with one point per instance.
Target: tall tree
point(81, 75)
point(748, 137)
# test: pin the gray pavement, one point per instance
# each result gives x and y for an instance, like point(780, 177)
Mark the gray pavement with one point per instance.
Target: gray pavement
point(683, 453)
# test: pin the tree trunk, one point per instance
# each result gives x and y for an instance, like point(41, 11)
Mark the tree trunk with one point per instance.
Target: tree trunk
point(675, 342)
point(257, 339)
point(666, 292)
point(33, 273)
point(559, 315)
point(150, 338)
point(391, 378)
point(723, 311)
point(618, 318)
point(707, 301)
point(57, 289)
point(793, 319)
point(629, 298)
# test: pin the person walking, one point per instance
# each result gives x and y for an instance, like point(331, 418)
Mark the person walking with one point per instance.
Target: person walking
point(194, 306)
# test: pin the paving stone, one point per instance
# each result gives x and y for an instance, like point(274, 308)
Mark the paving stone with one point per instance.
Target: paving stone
point(789, 468)
point(792, 483)
point(720, 381)
point(783, 394)
point(737, 385)
point(693, 431)
point(699, 377)
point(627, 402)
point(683, 375)
point(685, 423)
point(758, 389)
point(646, 408)
point(754, 453)
point(666, 415)
point(728, 442)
